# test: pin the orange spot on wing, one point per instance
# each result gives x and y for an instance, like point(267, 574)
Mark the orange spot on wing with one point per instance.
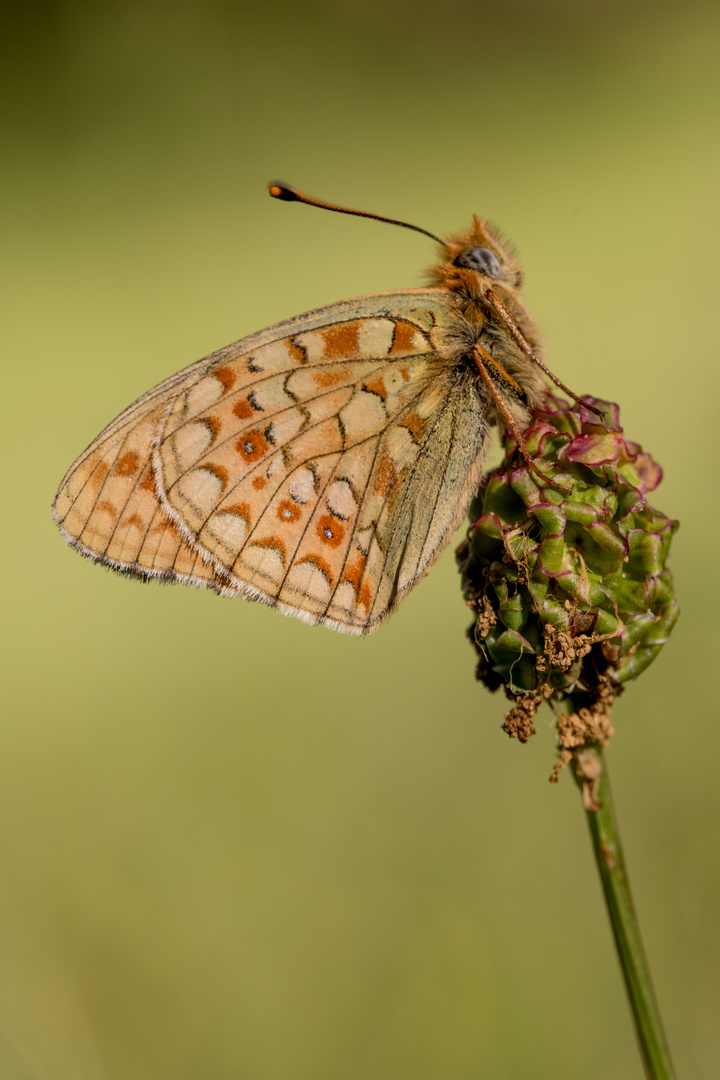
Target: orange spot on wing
point(415, 425)
point(385, 474)
point(217, 470)
point(251, 445)
point(296, 351)
point(243, 410)
point(148, 481)
point(403, 338)
point(212, 423)
point(330, 531)
point(99, 474)
point(241, 510)
point(273, 543)
point(341, 340)
point(259, 483)
point(166, 526)
point(107, 508)
point(328, 378)
point(288, 511)
point(320, 564)
point(353, 574)
point(377, 386)
point(135, 520)
point(226, 376)
point(127, 464)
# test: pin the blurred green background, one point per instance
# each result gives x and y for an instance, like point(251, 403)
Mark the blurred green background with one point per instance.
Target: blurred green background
point(232, 846)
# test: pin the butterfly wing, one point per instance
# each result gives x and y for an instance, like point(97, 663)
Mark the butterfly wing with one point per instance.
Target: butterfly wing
point(107, 506)
point(319, 466)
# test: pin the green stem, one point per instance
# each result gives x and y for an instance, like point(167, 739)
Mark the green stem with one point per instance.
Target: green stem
point(591, 775)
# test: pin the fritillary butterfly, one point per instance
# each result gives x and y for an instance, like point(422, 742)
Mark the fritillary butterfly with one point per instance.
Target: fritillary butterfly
point(321, 465)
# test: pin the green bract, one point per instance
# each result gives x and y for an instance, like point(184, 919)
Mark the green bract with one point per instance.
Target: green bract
point(571, 591)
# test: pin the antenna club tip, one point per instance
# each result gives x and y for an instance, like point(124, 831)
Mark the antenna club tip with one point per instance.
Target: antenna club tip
point(288, 194)
point(282, 191)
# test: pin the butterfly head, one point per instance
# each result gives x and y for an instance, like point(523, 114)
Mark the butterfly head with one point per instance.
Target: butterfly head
point(476, 259)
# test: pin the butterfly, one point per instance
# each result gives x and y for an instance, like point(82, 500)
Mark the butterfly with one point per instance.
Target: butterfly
point(320, 465)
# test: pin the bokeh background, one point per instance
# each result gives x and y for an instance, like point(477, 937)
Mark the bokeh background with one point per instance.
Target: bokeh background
point(232, 846)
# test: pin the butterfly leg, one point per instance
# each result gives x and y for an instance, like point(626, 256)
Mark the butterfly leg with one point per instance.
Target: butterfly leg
point(488, 359)
point(482, 357)
point(517, 335)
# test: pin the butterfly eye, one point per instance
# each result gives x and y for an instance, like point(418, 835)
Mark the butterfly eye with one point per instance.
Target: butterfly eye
point(480, 259)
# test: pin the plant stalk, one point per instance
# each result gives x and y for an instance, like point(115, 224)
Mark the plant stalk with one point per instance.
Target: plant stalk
point(590, 771)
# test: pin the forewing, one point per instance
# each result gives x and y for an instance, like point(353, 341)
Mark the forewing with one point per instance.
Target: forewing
point(296, 466)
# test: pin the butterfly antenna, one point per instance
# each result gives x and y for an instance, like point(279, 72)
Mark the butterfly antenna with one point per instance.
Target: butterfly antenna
point(288, 194)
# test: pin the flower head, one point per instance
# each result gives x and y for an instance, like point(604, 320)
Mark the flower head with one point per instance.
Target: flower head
point(570, 590)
